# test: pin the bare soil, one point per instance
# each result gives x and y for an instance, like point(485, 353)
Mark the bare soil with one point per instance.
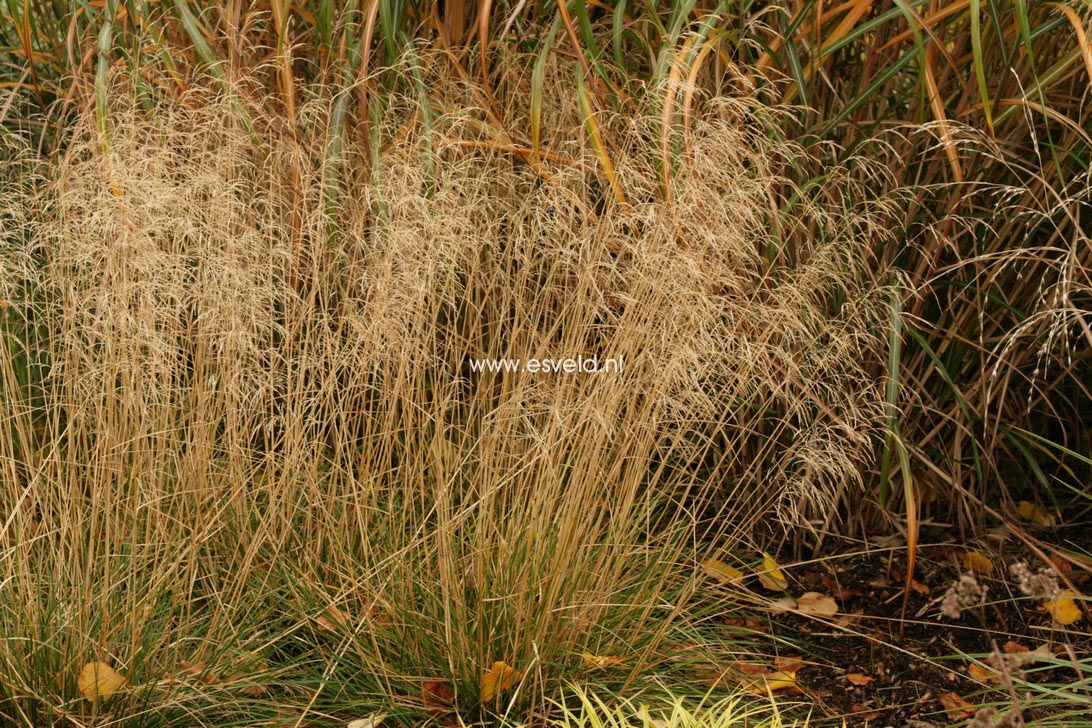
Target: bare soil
point(883, 661)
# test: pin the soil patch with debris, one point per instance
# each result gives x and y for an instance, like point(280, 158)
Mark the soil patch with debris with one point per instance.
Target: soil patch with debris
point(890, 657)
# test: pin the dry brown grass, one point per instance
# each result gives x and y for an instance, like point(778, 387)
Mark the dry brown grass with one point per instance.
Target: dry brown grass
point(255, 409)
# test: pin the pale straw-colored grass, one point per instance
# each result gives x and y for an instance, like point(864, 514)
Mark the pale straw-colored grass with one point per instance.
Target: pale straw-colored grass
point(255, 406)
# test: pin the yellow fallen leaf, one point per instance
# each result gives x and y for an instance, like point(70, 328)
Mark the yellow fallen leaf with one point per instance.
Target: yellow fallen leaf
point(722, 571)
point(771, 575)
point(500, 677)
point(816, 604)
point(99, 680)
point(770, 682)
point(600, 661)
point(1035, 513)
point(1064, 609)
point(976, 561)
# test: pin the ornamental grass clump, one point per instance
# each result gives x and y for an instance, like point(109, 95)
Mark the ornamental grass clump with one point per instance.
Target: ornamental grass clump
point(252, 470)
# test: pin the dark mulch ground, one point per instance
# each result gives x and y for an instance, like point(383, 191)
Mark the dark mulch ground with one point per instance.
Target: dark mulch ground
point(872, 667)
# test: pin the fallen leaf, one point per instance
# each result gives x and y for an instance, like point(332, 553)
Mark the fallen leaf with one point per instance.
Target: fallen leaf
point(956, 707)
point(332, 620)
point(877, 638)
point(816, 604)
point(976, 561)
point(848, 620)
point(1035, 513)
point(372, 721)
point(437, 696)
point(841, 593)
point(499, 678)
point(1042, 652)
point(722, 571)
point(982, 673)
point(600, 662)
point(1064, 609)
point(789, 663)
point(1061, 564)
point(865, 712)
point(200, 671)
point(647, 721)
point(286, 717)
point(769, 682)
point(783, 605)
point(253, 691)
point(916, 585)
point(1013, 647)
point(751, 668)
point(99, 680)
point(771, 575)
point(858, 679)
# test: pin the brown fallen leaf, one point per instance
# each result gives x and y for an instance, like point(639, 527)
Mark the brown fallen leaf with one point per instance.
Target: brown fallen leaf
point(978, 672)
point(956, 707)
point(897, 577)
point(200, 671)
point(437, 697)
point(1042, 652)
point(750, 668)
point(790, 663)
point(858, 679)
point(332, 620)
point(877, 637)
point(817, 605)
point(841, 593)
point(1061, 564)
point(848, 620)
point(865, 712)
point(1013, 647)
point(722, 571)
point(98, 680)
point(782, 606)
